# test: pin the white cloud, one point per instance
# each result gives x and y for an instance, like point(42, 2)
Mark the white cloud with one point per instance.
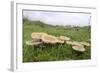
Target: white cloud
point(58, 18)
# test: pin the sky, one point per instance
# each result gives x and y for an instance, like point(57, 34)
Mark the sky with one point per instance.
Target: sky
point(58, 18)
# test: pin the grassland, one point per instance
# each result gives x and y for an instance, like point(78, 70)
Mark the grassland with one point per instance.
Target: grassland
point(54, 52)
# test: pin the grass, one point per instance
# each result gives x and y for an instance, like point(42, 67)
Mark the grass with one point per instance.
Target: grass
point(47, 52)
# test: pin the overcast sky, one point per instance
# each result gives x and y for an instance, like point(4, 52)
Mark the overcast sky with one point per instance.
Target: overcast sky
point(58, 18)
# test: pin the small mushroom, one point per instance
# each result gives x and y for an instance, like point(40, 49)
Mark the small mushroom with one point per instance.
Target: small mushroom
point(32, 43)
point(73, 43)
point(76, 43)
point(69, 42)
point(64, 38)
point(85, 43)
point(49, 39)
point(79, 48)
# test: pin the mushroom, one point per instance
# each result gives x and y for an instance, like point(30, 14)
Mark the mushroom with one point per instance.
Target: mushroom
point(79, 48)
point(64, 38)
point(37, 35)
point(69, 42)
point(32, 43)
point(49, 39)
point(85, 43)
point(76, 43)
point(73, 43)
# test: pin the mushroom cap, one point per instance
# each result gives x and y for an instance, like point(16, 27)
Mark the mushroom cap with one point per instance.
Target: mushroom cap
point(70, 42)
point(76, 43)
point(59, 40)
point(49, 39)
point(85, 43)
point(73, 43)
point(37, 35)
point(64, 38)
point(32, 43)
point(78, 48)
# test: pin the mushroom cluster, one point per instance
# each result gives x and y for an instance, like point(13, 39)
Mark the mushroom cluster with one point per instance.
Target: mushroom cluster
point(46, 38)
point(41, 37)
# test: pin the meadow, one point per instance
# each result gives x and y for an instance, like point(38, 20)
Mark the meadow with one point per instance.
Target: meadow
point(54, 52)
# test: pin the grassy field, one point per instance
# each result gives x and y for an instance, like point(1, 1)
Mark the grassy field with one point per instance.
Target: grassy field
point(54, 52)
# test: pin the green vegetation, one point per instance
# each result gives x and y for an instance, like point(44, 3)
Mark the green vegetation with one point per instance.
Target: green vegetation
point(54, 52)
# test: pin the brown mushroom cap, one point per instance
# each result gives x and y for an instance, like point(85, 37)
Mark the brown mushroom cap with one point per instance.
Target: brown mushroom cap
point(49, 39)
point(37, 35)
point(78, 48)
point(64, 38)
